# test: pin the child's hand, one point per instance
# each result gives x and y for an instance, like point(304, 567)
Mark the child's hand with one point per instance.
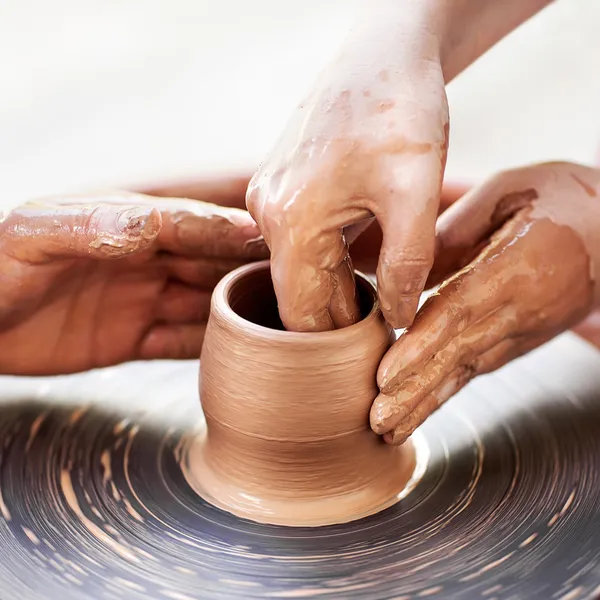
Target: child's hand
point(369, 141)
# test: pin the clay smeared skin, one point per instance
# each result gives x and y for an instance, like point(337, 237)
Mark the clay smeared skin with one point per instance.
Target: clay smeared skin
point(95, 280)
point(370, 140)
point(365, 143)
point(287, 413)
point(535, 233)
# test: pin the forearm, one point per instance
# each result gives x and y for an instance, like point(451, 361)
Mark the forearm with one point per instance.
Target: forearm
point(469, 28)
point(390, 33)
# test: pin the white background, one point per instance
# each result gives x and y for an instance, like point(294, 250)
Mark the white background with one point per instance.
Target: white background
point(118, 92)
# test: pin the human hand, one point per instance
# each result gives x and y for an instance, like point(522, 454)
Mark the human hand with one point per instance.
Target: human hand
point(93, 281)
point(525, 252)
point(226, 190)
point(369, 141)
point(364, 251)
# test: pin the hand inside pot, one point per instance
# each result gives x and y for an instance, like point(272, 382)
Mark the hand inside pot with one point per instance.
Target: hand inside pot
point(93, 281)
point(520, 256)
point(368, 142)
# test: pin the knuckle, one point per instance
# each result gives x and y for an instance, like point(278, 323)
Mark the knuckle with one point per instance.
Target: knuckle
point(467, 372)
point(411, 263)
point(407, 271)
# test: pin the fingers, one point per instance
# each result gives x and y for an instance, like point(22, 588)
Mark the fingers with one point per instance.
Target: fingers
point(449, 387)
point(510, 349)
point(175, 342)
point(178, 333)
point(213, 232)
point(469, 296)
point(461, 352)
point(225, 191)
point(465, 228)
point(472, 326)
point(343, 308)
point(182, 304)
point(311, 267)
point(199, 272)
point(461, 302)
point(402, 271)
point(407, 219)
point(193, 228)
point(491, 360)
point(41, 232)
point(315, 288)
point(471, 313)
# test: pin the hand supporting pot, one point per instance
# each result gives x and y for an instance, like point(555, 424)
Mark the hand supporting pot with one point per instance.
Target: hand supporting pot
point(522, 253)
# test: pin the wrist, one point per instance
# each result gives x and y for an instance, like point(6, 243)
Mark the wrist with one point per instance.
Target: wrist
point(469, 28)
point(453, 32)
point(394, 34)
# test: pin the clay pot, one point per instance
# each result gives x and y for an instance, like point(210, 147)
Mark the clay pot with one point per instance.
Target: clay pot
point(287, 414)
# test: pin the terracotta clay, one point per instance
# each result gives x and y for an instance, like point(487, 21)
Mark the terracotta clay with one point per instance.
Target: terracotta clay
point(529, 244)
point(288, 438)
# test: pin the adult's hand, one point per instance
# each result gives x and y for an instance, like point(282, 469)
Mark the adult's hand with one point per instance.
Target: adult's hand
point(522, 253)
point(93, 281)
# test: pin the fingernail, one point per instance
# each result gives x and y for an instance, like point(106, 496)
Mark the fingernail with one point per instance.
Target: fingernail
point(407, 310)
point(384, 378)
point(386, 412)
point(391, 371)
point(395, 314)
point(136, 222)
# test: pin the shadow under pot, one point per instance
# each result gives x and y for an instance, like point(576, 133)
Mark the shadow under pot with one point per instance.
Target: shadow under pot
point(287, 438)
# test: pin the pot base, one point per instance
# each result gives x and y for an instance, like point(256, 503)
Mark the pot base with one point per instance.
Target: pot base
point(405, 466)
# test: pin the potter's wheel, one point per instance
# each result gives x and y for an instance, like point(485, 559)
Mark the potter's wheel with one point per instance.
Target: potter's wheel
point(94, 504)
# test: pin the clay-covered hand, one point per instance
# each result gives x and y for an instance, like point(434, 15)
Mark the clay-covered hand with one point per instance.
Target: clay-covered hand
point(369, 141)
point(93, 281)
point(523, 255)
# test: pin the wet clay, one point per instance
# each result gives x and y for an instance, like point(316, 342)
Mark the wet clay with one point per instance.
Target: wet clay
point(287, 437)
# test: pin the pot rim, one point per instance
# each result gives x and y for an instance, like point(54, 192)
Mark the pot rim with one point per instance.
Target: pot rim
point(220, 305)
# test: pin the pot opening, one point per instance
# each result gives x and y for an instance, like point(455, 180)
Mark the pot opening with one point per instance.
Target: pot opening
point(252, 298)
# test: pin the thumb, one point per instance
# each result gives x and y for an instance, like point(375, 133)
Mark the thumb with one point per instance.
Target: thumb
point(39, 232)
point(464, 229)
